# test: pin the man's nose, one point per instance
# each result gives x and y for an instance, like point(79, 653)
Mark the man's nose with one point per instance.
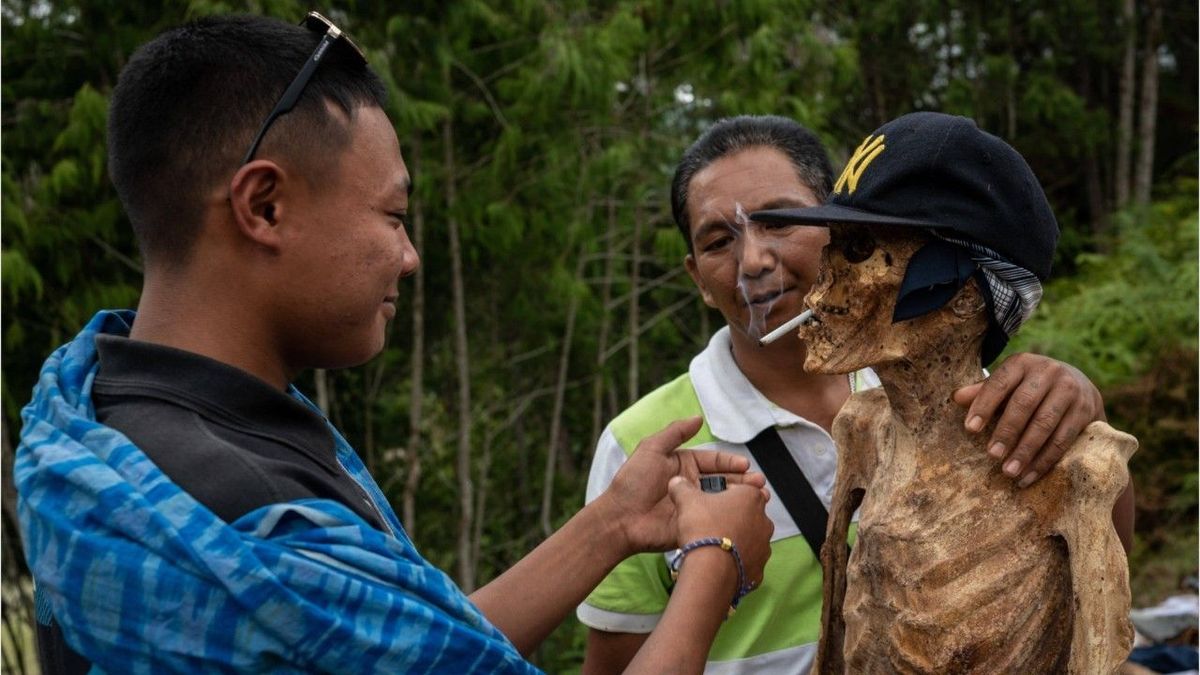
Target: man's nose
point(410, 260)
point(757, 257)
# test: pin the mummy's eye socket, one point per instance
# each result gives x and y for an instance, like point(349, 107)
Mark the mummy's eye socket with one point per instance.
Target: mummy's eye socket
point(856, 244)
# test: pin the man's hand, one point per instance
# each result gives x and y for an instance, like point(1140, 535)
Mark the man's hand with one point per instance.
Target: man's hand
point(1044, 405)
point(638, 499)
point(738, 512)
point(633, 515)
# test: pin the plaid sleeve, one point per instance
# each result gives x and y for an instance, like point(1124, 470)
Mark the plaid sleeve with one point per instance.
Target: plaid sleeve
point(631, 599)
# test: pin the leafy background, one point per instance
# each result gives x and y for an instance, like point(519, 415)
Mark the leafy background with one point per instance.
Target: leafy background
point(543, 136)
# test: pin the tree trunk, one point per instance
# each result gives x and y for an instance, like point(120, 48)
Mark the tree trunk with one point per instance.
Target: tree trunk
point(416, 392)
point(466, 491)
point(874, 82)
point(1095, 192)
point(1011, 77)
point(485, 466)
point(1148, 110)
point(321, 377)
point(525, 504)
point(635, 296)
point(614, 406)
point(635, 282)
point(372, 378)
point(610, 237)
point(1125, 89)
point(560, 387)
point(8, 493)
point(1093, 183)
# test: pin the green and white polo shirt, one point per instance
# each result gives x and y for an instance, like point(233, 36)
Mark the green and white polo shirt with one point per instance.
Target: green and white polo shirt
point(776, 628)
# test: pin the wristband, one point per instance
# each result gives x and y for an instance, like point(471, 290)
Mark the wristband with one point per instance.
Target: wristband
point(726, 544)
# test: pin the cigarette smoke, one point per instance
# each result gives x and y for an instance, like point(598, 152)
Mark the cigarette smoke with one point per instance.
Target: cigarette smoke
point(749, 233)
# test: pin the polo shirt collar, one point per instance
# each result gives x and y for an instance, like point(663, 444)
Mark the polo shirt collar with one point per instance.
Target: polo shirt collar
point(735, 411)
point(216, 390)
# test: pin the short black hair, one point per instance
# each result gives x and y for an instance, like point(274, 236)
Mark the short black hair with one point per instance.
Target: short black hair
point(733, 134)
point(189, 102)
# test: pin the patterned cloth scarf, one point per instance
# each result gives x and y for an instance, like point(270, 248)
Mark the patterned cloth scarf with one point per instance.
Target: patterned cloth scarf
point(1015, 291)
point(144, 579)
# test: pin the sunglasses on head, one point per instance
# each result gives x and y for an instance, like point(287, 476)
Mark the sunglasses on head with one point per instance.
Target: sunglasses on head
point(329, 35)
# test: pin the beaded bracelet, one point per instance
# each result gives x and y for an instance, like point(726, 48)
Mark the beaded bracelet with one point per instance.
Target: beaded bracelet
point(726, 544)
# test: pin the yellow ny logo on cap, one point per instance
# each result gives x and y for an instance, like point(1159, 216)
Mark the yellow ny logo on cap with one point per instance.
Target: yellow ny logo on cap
point(859, 161)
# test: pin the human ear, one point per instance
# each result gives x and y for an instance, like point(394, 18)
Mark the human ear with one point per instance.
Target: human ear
point(256, 201)
point(689, 262)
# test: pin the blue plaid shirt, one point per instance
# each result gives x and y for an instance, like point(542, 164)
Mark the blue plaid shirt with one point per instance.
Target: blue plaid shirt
point(143, 578)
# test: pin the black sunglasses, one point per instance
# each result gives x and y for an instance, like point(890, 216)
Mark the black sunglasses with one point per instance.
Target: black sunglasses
point(329, 34)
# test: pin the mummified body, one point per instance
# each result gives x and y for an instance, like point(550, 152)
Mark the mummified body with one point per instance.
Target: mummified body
point(955, 569)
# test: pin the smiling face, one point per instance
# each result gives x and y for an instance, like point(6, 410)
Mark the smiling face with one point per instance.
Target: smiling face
point(854, 298)
point(755, 274)
point(349, 251)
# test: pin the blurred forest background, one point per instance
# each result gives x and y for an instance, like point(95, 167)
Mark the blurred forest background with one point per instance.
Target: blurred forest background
point(543, 136)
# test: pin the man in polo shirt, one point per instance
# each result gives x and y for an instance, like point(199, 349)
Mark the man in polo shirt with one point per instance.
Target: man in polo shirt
point(757, 275)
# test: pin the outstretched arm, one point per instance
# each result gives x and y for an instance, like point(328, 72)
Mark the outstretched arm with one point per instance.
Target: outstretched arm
point(1040, 406)
point(635, 514)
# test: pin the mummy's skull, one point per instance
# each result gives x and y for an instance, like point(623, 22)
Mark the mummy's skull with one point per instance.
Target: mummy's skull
point(855, 296)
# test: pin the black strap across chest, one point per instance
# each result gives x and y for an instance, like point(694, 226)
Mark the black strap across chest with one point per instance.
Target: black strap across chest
point(791, 486)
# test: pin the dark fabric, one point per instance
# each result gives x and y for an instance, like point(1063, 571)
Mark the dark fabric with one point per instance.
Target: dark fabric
point(230, 440)
point(54, 656)
point(995, 339)
point(939, 171)
point(1166, 658)
point(934, 275)
point(794, 490)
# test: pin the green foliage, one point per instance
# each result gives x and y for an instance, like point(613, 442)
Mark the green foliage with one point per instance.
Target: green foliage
point(20, 278)
point(1129, 320)
point(1125, 308)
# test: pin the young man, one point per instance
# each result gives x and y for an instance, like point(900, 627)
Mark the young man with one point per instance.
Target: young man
point(185, 509)
point(757, 274)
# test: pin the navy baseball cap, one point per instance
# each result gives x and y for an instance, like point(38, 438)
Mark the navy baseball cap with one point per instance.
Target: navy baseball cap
point(942, 172)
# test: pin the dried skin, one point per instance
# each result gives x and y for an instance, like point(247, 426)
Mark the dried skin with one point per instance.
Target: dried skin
point(955, 570)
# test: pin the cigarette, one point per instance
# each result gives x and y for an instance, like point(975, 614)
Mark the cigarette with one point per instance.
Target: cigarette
point(791, 325)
